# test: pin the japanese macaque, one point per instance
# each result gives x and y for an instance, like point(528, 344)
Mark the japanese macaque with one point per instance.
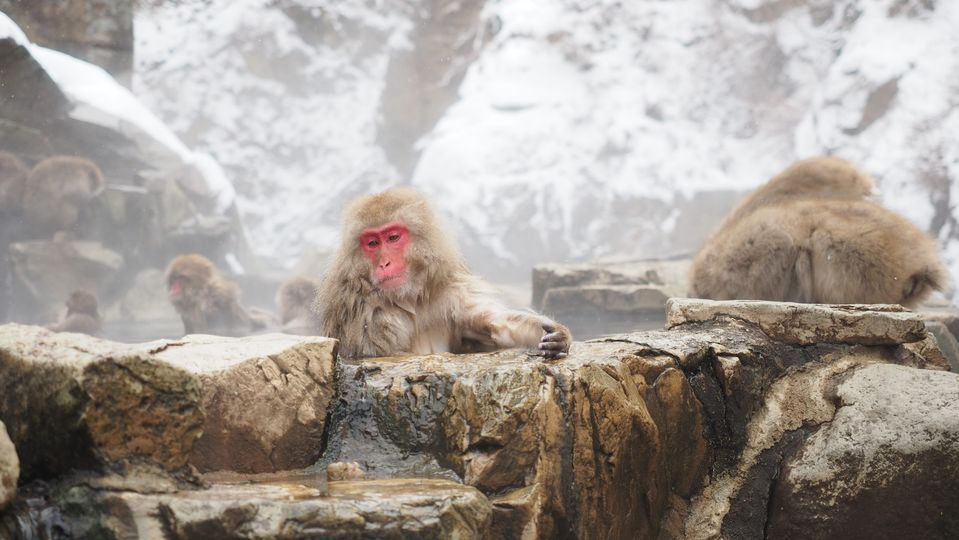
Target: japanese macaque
point(206, 301)
point(398, 285)
point(13, 177)
point(295, 300)
point(812, 234)
point(82, 315)
point(58, 192)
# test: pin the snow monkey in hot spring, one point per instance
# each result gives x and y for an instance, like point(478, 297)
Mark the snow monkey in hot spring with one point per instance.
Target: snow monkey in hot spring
point(812, 234)
point(398, 285)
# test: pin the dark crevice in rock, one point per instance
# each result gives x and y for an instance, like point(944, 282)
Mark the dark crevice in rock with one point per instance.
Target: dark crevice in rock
point(337, 380)
point(563, 527)
point(749, 509)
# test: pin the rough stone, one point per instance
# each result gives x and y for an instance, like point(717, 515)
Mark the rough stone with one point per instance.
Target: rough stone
point(73, 401)
point(594, 310)
point(886, 466)
point(669, 276)
point(807, 324)
point(714, 428)
point(9, 468)
point(946, 341)
point(265, 398)
point(561, 446)
point(398, 508)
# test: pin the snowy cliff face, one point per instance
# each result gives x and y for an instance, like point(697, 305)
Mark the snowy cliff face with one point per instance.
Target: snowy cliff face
point(574, 129)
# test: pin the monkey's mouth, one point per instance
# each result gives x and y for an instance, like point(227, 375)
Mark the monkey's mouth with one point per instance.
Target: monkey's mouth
point(392, 282)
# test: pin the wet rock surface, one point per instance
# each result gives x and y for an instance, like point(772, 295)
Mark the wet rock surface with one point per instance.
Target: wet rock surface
point(9, 468)
point(728, 425)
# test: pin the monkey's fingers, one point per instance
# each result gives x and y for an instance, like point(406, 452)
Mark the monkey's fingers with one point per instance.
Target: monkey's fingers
point(550, 346)
point(555, 336)
point(549, 328)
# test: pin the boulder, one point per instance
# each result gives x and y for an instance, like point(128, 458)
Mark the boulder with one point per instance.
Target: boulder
point(73, 401)
point(9, 468)
point(885, 465)
point(265, 398)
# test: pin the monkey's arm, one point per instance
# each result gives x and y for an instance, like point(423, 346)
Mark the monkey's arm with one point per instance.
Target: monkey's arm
point(505, 328)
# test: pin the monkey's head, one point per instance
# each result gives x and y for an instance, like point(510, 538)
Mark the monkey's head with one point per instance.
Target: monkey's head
point(186, 274)
point(295, 297)
point(828, 177)
point(395, 242)
point(13, 174)
point(82, 302)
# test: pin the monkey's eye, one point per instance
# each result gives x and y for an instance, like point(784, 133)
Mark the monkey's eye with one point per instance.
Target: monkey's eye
point(393, 237)
point(373, 243)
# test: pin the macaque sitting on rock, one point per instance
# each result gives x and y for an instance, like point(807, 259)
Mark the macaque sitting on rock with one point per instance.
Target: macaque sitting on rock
point(82, 315)
point(812, 234)
point(398, 285)
point(206, 301)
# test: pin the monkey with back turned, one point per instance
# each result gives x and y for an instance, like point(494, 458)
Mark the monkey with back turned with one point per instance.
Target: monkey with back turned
point(812, 234)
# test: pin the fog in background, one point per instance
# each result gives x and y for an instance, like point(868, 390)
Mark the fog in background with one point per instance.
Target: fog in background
point(543, 130)
point(553, 130)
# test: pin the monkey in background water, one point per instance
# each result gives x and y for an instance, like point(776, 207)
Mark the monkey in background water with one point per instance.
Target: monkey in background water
point(206, 301)
point(812, 234)
point(82, 316)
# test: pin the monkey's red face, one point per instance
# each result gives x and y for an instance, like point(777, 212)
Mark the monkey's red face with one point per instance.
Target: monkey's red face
point(385, 248)
point(176, 287)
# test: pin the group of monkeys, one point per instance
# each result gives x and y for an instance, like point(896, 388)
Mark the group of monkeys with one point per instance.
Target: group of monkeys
point(398, 284)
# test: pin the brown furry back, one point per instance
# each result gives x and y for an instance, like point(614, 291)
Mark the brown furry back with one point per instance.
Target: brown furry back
point(814, 178)
point(57, 191)
point(811, 236)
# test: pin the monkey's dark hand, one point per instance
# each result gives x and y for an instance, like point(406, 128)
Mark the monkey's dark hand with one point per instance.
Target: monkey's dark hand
point(555, 343)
